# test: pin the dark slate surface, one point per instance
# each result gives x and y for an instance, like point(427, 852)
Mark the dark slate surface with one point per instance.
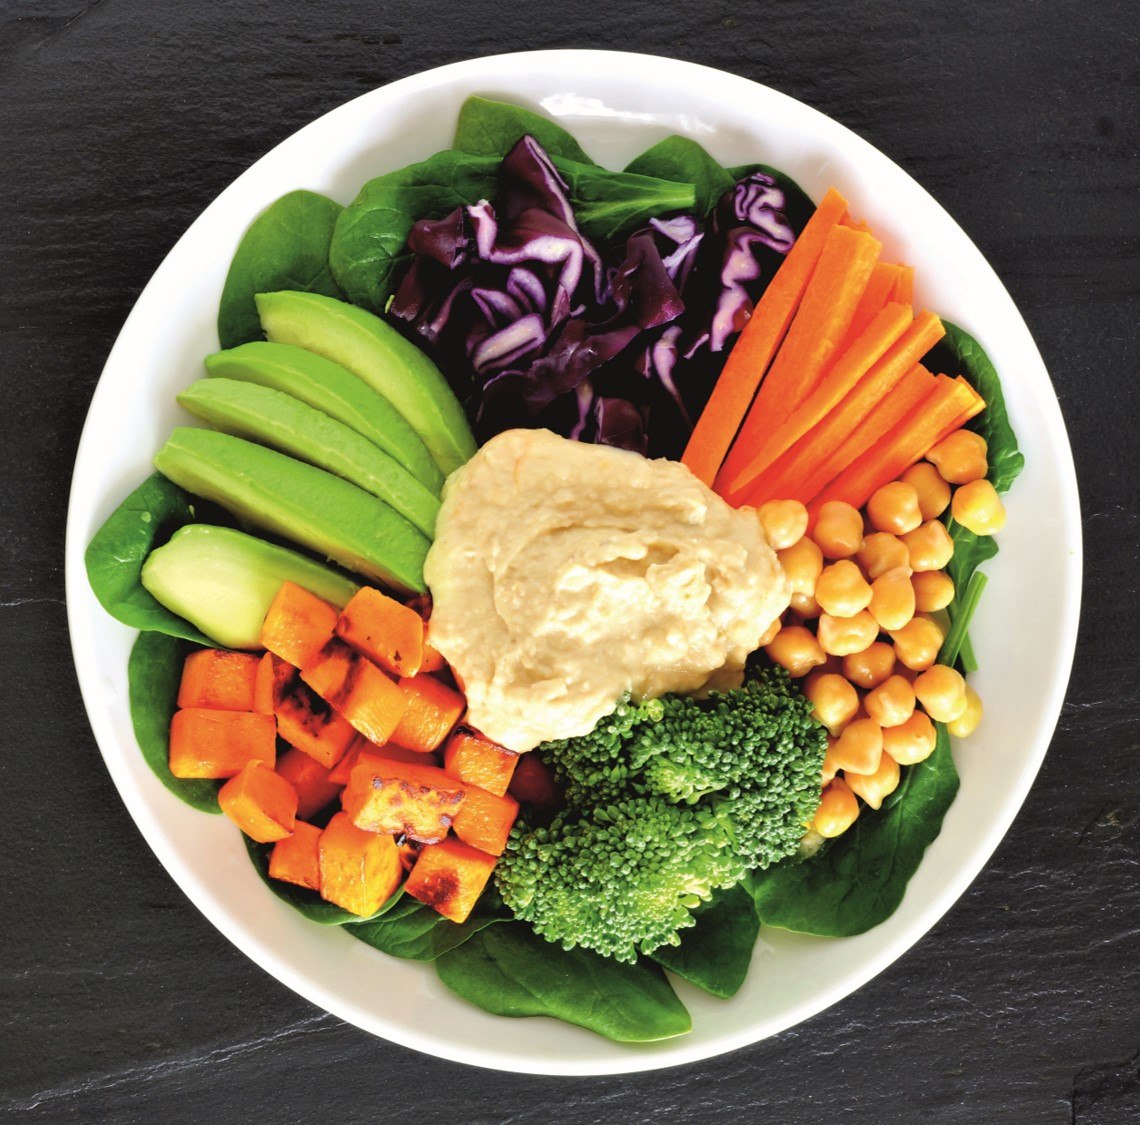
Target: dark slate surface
point(120, 120)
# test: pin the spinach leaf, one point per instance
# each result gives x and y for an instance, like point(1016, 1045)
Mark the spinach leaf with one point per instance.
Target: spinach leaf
point(308, 902)
point(154, 671)
point(509, 970)
point(490, 128)
point(415, 932)
point(286, 247)
point(716, 952)
point(114, 558)
point(682, 159)
point(858, 880)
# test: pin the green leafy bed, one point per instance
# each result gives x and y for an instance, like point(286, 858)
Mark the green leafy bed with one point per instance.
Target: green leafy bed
point(848, 886)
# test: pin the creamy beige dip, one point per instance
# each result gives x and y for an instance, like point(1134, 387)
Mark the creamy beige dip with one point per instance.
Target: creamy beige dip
point(564, 574)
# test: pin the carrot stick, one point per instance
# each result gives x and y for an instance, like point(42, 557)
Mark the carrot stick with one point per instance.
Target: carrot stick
point(927, 424)
point(864, 352)
point(860, 225)
point(875, 296)
point(904, 286)
point(749, 358)
point(813, 340)
point(801, 465)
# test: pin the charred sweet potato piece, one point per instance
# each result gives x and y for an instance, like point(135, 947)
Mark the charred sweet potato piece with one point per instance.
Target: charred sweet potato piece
point(363, 748)
point(484, 821)
point(307, 722)
point(218, 679)
point(432, 659)
point(208, 743)
point(450, 877)
point(273, 677)
point(383, 629)
point(359, 870)
point(477, 760)
point(298, 625)
point(432, 709)
point(416, 801)
point(315, 788)
point(296, 859)
point(260, 802)
point(357, 689)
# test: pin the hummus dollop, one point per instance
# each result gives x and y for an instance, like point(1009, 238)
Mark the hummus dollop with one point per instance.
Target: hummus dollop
point(565, 574)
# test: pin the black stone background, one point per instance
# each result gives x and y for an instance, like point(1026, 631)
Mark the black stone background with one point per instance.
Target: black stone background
point(120, 120)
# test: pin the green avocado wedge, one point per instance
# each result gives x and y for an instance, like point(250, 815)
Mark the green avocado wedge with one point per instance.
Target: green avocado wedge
point(328, 387)
point(284, 423)
point(376, 353)
point(223, 580)
point(308, 506)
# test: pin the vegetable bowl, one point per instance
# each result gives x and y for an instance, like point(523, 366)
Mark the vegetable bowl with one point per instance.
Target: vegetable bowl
point(616, 106)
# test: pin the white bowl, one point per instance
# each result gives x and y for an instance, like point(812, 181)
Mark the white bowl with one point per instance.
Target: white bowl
point(617, 105)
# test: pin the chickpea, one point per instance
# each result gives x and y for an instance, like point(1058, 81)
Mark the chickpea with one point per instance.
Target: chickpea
point(933, 491)
point(838, 810)
point(841, 590)
point(891, 703)
point(942, 692)
point(892, 598)
point(869, 668)
point(929, 546)
point(933, 590)
point(769, 634)
point(911, 742)
point(841, 636)
point(836, 701)
point(804, 606)
point(960, 458)
point(795, 650)
point(802, 563)
point(967, 722)
point(830, 766)
point(978, 508)
point(894, 508)
point(784, 523)
point(859, 747)
point(881, 551)
point(917, 643)
point(874, 788)
point(838, 530)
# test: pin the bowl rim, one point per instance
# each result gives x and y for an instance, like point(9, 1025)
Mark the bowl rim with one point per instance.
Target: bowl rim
point(474, 74)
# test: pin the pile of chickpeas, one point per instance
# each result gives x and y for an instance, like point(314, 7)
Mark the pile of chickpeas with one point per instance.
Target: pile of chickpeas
point(868, 617)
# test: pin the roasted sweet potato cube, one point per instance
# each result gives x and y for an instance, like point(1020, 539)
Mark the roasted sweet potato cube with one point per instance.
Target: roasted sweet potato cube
point(260, 802)
point(296, 859)
point(450, 877)
point(357, 689)
point(384, 630)
point(475, 759)
point(214, 678)
point(400, 799)
point(273, 678)
point(359, 870)
point(307, 722)
point(484, 821)
point(315, 788)
point(432, 659)
point(363, 748)
point(432, 709)
point(298, 625)
point(208, 743)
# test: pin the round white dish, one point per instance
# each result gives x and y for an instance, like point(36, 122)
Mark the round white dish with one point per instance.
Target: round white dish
point(616, 105)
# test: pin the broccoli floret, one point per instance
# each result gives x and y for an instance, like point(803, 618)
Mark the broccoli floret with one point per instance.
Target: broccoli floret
point(666, 801)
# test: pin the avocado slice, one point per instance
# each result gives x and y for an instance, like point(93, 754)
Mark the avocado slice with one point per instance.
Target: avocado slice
point(285, 423)
point(298, 502)
point(223, 581)
point(375, 352)
point(328, 387)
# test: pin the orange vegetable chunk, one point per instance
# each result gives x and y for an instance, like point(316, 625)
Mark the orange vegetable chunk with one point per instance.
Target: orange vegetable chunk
point(362, 748)
point(387, 632)
point(296, 859)
point(209, 743)
point(402, 799)
point(359, 870)
point(479, 761)
point(298, 625)
point(222, 680)
point(260, 802)
point(484, 821)
point(273, 676)
point(432, 710)
point(356, 688)
point(307, 722)
point(310, 779)
point(450, 877)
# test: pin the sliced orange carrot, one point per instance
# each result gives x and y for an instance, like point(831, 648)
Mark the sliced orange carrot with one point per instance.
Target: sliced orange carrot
point(273, 677)
point(297, 625)
point(484, 821)
point(357, 689)
point(209, 743)
point(361, 747)
point(213, 677)
point(386, 631)
point(854, 224)
point(296, 859)
point(904, 286)
point(877, 294)
point(477, 760)
point(307, 722)
point(862, 354)
point(402, 799)
point(310, 779)
point(533, 784)
point(432, 710)
point(749, 359)
point(450, 877)
point(927, 424)
point(260, 802)
point(360, 870)
point(819, 328)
